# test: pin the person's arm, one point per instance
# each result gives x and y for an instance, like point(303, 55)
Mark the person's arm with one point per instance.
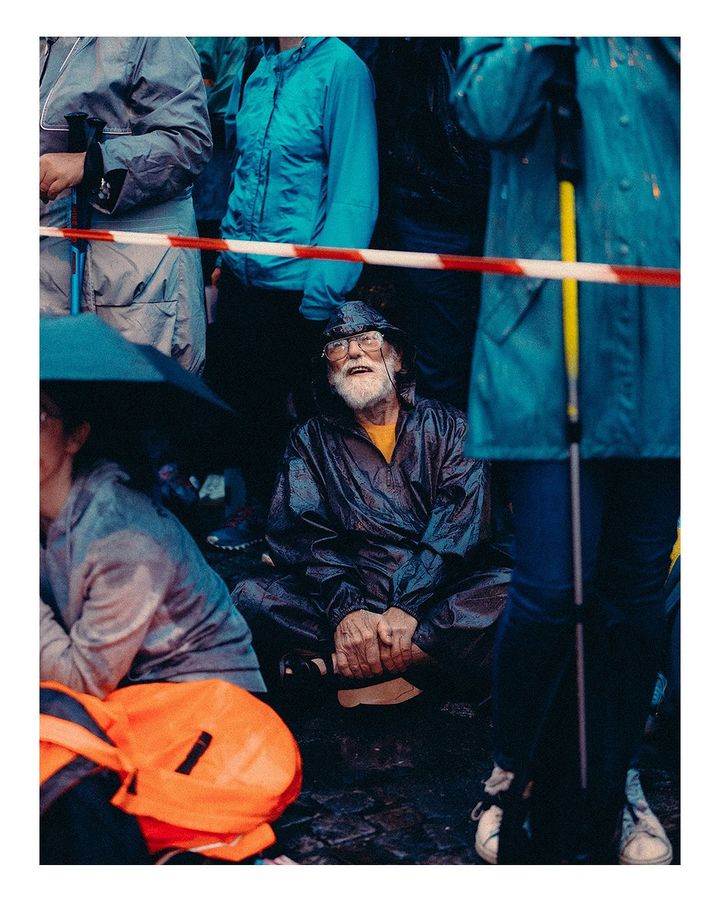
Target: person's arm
point(170, 143)
point(499, 88)
point(458, 522)
point(351, 208)
point(302, 533)
point(127, 575)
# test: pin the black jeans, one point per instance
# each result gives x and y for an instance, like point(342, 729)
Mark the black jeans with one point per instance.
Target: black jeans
point(630, 510)
point(259, 362)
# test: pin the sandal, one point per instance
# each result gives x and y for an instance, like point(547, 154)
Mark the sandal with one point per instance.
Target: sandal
point(303, 667)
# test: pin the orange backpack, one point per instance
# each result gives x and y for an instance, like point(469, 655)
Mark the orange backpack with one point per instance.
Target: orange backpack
point(205, 766)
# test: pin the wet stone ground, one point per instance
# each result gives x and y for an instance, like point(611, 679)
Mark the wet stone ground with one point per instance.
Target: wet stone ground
point(396, 785)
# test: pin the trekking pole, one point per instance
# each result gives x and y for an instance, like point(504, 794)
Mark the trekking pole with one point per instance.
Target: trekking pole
point(82, 133)
point(76, 144)
point(566, 124)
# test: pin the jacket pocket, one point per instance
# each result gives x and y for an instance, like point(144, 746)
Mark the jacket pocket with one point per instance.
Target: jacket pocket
point(505, 302)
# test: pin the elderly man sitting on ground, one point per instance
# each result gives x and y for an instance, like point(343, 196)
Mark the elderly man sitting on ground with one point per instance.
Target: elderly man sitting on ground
point(378, 533)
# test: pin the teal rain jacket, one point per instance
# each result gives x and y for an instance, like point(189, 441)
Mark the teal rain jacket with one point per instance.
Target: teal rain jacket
point(628, 212)
point(307, 169)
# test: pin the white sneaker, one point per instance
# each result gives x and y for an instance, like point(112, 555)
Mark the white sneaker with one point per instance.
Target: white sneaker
point(487, 836)
point(212, 490)
point(643, 841)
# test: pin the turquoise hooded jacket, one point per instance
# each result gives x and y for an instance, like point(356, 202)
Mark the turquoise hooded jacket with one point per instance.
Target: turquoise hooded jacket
point(628, 213)
point(306, 169)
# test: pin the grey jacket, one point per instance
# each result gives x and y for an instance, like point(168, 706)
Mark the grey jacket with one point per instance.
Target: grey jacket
point(126, 596)
point(150, 93)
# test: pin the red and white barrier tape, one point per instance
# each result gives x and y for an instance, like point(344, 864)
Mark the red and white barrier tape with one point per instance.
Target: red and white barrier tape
point(543, 268)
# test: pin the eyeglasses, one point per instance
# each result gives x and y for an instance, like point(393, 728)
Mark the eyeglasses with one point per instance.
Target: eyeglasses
point(370, 341)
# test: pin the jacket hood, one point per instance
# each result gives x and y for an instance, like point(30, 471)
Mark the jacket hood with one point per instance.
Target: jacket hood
point(350, 319)
point(85, 486)
point(355, 317)
point(270, 48)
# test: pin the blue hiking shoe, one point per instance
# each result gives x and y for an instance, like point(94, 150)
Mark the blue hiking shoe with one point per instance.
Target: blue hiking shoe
point(242, 530)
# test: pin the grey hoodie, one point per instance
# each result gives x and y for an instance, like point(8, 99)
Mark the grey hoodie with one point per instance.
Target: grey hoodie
point(126, 596)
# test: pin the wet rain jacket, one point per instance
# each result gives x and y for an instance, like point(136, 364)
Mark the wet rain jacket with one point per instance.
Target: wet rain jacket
point(307, 169)
point(628, 212)
point(150, 93)
point(353, 524)
point(126, 596)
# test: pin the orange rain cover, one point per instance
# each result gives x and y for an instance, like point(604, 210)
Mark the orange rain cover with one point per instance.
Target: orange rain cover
point(205, 765)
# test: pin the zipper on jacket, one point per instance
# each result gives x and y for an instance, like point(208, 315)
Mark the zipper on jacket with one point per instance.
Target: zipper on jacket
point(266, 184)
point(49, 41)
point(256, 220)
point(358, 430)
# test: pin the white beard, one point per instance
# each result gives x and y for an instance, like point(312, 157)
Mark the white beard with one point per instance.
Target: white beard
point(364, 391)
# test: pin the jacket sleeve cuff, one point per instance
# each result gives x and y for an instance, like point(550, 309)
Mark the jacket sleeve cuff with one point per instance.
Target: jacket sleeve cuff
point(413, 605)
point(336, 616)
point(415, 583)
point(104, 187)
point(345, 599)
point(314, 312)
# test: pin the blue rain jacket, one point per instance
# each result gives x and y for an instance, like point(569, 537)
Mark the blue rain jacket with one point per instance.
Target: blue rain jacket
point(628, 212)
point(306, 171)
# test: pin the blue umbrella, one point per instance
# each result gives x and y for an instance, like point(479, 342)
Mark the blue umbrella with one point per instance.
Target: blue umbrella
point(84, 348)
point(137, 385)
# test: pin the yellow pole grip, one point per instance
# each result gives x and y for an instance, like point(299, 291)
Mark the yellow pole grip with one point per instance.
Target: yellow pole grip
point(571, 324)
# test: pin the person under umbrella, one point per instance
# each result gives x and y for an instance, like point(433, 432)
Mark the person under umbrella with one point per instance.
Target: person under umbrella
point(124, 589)
point(126, 597)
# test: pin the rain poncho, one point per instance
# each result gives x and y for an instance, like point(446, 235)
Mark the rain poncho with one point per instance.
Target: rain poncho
point(347, 530)
point(307, 169)
point(156, 140)
point(126, 597)
point(628, 213)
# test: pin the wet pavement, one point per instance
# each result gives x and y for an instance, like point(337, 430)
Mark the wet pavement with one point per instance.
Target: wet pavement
point(395, 785)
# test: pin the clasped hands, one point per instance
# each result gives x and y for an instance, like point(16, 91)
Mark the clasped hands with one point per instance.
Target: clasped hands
point(368, 644)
